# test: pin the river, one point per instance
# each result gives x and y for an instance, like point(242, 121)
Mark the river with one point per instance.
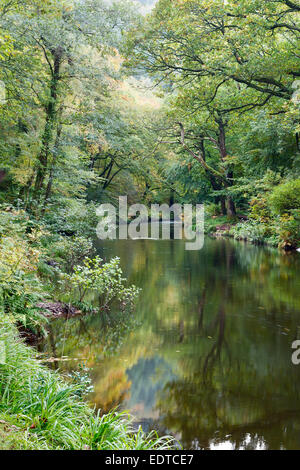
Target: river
point(207, 354)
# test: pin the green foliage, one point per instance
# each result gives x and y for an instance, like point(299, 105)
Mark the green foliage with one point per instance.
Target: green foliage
point(68, 252)
point(254, 232)
point(82, 381)
point(273, 214)
point(20, 288)
point(103, 278)
point(12, 221)
point(259, 209)
point(35, 262)
point(212, 210)
point(212, 223)
point(22, 308)
point(72, 217)
point(289, 230)
point(286, 197)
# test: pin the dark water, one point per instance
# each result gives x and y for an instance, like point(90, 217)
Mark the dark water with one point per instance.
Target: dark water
point(207, 356)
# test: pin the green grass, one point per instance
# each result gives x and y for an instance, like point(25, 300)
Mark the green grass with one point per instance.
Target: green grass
point(48, 411)
point(10, 438)
point(13, 438)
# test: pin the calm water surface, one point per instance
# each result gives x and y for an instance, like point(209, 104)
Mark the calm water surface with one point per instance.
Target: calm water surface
point(207, 354)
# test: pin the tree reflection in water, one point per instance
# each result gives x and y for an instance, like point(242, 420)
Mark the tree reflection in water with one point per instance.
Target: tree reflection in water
point(209, 355)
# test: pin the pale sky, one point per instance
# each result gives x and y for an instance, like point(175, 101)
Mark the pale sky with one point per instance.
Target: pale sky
point(147, 5)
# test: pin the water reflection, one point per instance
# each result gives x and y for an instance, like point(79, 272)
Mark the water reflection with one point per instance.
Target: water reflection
point(208, 354)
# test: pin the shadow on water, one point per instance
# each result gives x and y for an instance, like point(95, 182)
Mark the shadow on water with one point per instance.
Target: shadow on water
point(207, 355)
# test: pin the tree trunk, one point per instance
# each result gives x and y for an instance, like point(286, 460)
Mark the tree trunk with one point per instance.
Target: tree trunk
point(216, 185)
point(55, 153)
point(51, 112)
point(223, 206)
point(222, 139)
point(231, 210)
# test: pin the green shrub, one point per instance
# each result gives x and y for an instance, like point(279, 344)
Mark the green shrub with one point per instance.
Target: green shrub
point(213, 209)
point(69, 252)
point(255, 232)
point(75, 217)
point(289, 230)
point(285, 197)
point(105, 279)
point(250, 231)
point(21, 307)
point(260, 210)
point(20, 288)
point(12, 221)
point(211, 224)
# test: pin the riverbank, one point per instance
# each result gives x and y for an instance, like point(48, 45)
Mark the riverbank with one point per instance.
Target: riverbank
point(40, 409)
point(42, 276)
point(250, 231)
point(49, 311)
point(10, 437)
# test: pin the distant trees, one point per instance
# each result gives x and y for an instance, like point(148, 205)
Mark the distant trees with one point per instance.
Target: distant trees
point(75, 126)
point(67, 127)
point(226, 67)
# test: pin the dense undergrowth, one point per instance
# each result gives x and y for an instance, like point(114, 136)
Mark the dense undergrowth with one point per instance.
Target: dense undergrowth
point(39, 264)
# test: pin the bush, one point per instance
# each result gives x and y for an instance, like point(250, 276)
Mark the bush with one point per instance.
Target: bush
point(213, 209)
point(250, 231)
point(289, 230)
point(255, 232)
point(212, 223)
point(20, 288)
point(69, 252)
point(285, 197)
point(103, 278)
point(75, 217)
point(259, 209)
point(12, 221)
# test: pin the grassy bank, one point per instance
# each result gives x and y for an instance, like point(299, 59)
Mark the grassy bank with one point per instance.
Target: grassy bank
point(41, 410)
point(11, 438)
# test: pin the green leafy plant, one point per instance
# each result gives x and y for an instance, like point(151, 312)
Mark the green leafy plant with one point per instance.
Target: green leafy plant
point(68, 252)
point(289, 230)
point(82, 380)
point(254, 232)
point(20, 288)
point(105, 279)
point(260, 210)
point(285, 197)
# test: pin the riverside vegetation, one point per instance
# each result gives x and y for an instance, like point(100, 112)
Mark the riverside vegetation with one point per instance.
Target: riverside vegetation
point(38, 408)
point(195, 101)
